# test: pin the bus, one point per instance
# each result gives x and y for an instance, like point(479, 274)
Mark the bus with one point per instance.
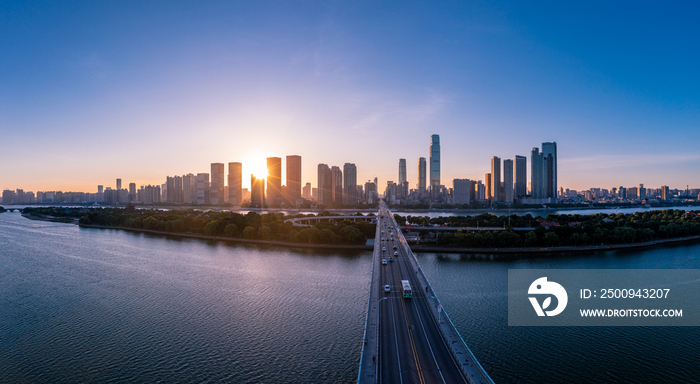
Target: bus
point(406, 289)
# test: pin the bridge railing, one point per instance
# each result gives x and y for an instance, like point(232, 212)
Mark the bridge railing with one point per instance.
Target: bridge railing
point(472, 361)
point(372, 344)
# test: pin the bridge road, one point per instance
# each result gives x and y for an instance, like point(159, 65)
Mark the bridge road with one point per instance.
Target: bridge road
point(411, 348)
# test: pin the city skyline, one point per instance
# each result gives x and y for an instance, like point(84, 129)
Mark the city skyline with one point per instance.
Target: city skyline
point(331, 82)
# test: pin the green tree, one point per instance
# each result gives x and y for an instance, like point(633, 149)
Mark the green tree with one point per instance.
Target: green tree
point(551, 239)
point(231, 230)
point(249, 233)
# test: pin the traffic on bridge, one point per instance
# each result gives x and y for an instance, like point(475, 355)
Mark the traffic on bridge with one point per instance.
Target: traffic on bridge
point(408, 337)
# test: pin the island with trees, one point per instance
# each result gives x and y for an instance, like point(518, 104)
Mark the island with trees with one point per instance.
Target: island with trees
point(222, 225)
point(557, 232)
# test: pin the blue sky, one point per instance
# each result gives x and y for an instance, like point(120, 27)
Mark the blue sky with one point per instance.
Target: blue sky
point(92, 91)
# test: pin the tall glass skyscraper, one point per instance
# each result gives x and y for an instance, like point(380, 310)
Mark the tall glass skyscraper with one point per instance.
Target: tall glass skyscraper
point(402, 171)
point(543, 177)
point(421, 175)
point(435, 161)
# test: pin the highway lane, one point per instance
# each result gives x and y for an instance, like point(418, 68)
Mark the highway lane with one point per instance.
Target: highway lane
point(411, 349)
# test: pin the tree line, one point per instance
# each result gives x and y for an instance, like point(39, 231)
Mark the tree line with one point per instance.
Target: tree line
point(563, 230)
point(254, 226)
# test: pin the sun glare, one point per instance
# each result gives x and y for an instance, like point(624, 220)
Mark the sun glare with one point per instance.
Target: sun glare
point(256, 165)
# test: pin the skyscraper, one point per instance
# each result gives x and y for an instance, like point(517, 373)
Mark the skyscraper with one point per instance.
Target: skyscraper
point(549, 152)
point(257, 192)
point(544, 172)
point(203, 190)
point(520, 176)
point(274, 181)
point(434, 161)
point(402, 171)
point(235, 183)
point(337, 185)
point(421, 175)
point(325, 195)
point(350, 196)
point(487, 184)
point(216, 195)
point(119, 184)
point(536, 171)
point(293, 179)
point(306, 191)
point(496, 192)
point(508, 180)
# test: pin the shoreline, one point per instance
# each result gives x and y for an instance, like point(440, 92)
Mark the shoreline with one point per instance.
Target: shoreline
point(565, 249)
point(284, 244)
point(414, 248)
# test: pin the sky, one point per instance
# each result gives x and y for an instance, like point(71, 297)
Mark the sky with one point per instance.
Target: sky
point(95, 91)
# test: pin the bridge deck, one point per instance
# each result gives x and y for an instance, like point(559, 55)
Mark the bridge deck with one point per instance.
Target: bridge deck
point(409, 340)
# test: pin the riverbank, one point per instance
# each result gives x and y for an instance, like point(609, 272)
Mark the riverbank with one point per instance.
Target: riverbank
point(414, 248)
point(235, 239)
point(584, 248)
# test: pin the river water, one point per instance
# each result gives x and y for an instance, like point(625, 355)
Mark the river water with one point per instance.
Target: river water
point(90, 305)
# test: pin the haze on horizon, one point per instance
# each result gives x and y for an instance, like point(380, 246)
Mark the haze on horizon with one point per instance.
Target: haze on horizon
point(95, 91)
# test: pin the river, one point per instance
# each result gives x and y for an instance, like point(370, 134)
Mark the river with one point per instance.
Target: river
point(90, 305)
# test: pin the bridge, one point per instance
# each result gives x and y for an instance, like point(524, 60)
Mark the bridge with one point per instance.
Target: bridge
point(308, 221)
point(409, 340)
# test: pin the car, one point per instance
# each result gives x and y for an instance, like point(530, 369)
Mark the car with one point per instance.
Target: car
point(384, 261)
point(395, 247)
point(383, 248)
point(396, 253)
point(391, 258)
point(387, 288)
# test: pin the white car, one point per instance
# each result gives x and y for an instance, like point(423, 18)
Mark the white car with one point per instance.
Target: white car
point(384, 261)
point(396, 253)
point(383, 248)
point(387, 288)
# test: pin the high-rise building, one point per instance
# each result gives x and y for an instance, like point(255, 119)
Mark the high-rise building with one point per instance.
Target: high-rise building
point(402, 171)
point(274, 181)
point(462, 191)
point(421, 176)
point(549, 155)
point(203, 189)
point(307, 191)
point(293, 179)
point(170, 190)
point(350, 195)
point(496, 192)
point(487, 186)
point(235, 183)
point(544, 172)
point(189, 188)
point(325, 186)
point(119, 184)
point(216, 195)
point(337, 185)
point(100, 193)
point(434, 161)
point(132, 192)
point(665, 192)
point(508, 180)
point(257, 192)
point(536, 180)
point(520, 176)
